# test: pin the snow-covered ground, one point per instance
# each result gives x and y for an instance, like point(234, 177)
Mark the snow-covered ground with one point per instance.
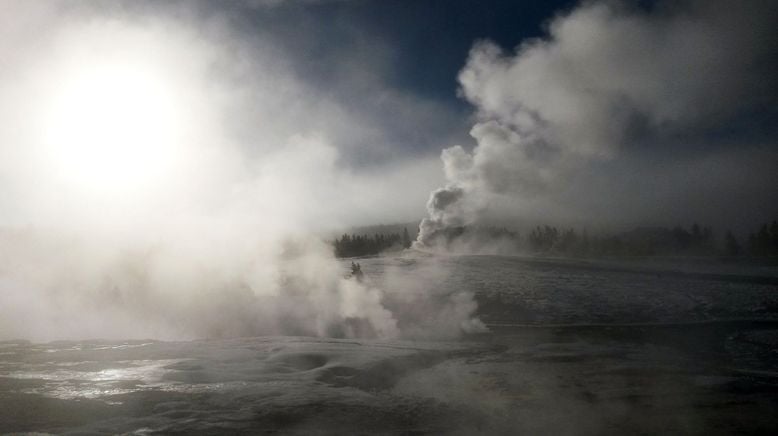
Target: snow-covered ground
point(572, 348)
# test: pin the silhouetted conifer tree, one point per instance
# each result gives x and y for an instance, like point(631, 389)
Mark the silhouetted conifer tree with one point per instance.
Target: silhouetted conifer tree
point(732, 246)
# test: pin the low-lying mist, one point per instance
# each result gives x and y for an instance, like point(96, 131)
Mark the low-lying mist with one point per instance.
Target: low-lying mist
point(193, 284)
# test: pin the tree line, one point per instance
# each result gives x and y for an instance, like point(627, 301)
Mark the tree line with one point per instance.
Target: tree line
point(352, 245)
point(655, 241)
point(695, 240)
point(642, 241)
point(763, 242)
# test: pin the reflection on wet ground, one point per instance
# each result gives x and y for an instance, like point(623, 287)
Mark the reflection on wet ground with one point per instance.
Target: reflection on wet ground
point(718, 379)
point(643, 372)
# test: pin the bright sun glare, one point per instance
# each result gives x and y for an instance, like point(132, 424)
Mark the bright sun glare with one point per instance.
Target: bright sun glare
point(113, 128)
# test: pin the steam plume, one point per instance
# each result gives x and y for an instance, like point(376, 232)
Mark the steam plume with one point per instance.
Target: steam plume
point(607, 75)
point(227, 240)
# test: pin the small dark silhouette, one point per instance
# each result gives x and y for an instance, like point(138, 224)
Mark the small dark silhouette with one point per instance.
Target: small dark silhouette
point(406, 238)
point(356, 271)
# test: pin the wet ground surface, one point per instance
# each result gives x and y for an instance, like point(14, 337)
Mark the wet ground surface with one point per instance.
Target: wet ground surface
point(569, 351)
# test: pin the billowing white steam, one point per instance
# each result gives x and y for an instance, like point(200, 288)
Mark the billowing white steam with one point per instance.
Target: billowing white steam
point(224, 239)
point(607, 75)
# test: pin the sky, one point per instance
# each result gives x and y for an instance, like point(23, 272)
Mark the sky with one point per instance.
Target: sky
point(645, 113)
